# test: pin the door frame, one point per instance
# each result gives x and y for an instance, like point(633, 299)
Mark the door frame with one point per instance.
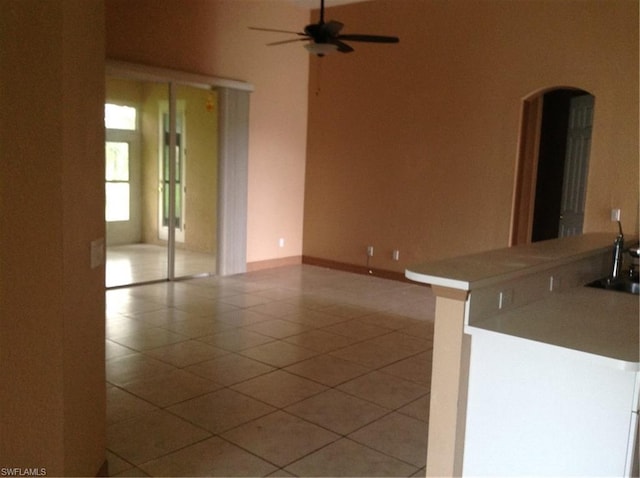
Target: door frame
point(524, 195)
point(233, 155)
point(525, 178)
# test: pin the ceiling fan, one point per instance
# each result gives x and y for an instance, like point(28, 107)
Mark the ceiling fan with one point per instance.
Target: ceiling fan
point(324, 37)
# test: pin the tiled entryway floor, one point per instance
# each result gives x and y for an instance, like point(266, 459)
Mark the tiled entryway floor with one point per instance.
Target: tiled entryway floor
point(293, 371)
point(135, 263)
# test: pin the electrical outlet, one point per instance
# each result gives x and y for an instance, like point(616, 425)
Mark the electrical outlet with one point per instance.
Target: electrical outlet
point(281, 242)
point(395, 255)
point(370, 251)
point(615, 214)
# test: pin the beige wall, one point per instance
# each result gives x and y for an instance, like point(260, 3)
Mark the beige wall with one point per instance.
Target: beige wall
point(52, 338)
point(413, 146)
point(154, 94)
point(211, 37)
point(201, 168)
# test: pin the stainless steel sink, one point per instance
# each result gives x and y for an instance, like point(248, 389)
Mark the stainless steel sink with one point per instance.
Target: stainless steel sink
point(620, 285)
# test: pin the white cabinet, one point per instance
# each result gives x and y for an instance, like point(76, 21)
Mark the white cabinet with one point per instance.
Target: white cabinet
point(539, 409)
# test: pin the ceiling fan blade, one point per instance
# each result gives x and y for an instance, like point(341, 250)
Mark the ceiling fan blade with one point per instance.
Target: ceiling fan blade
point(369, 38)
point(288, 41)
point(275, 30)
point(332, 28)
point(342, 47)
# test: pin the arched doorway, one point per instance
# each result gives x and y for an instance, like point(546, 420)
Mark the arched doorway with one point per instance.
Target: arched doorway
point(552, 168)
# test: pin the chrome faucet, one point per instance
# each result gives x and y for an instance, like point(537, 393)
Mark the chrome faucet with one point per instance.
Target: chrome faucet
point(618, 247)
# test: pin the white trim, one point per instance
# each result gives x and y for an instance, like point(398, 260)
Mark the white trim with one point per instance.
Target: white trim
point(153, 73)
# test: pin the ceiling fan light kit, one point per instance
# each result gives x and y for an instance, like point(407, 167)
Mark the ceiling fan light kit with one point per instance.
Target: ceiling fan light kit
point(321, 49)
point(325, 38)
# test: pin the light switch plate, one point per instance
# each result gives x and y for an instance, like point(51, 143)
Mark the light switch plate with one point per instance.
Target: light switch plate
point(97, 253)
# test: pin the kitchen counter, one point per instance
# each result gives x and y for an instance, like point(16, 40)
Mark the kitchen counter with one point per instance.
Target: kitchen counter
point(586, 319)
point(599, 322)
point(516, 329)
point(472, 271)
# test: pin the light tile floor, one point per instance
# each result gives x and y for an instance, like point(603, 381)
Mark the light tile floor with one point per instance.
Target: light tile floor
point(294, 371)
point(135, 263)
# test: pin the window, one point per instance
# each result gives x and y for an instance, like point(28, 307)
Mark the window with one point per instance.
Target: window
point(117, 158)
point(119, 117)
point(117, 181)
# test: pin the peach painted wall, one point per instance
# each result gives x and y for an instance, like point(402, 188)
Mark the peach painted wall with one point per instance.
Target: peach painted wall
point(211, 37)
point(52, 336)
point(413, 146)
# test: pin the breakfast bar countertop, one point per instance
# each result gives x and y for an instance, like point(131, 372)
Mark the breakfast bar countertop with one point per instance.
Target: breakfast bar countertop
point(602, 324)
point(484, 268)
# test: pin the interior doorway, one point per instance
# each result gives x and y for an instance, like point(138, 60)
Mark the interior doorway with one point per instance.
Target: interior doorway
point(146, 187)
point(181, 230)
point(553, 164)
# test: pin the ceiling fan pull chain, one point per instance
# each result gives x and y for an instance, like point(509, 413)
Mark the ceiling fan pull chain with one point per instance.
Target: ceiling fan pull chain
point(318, 78)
